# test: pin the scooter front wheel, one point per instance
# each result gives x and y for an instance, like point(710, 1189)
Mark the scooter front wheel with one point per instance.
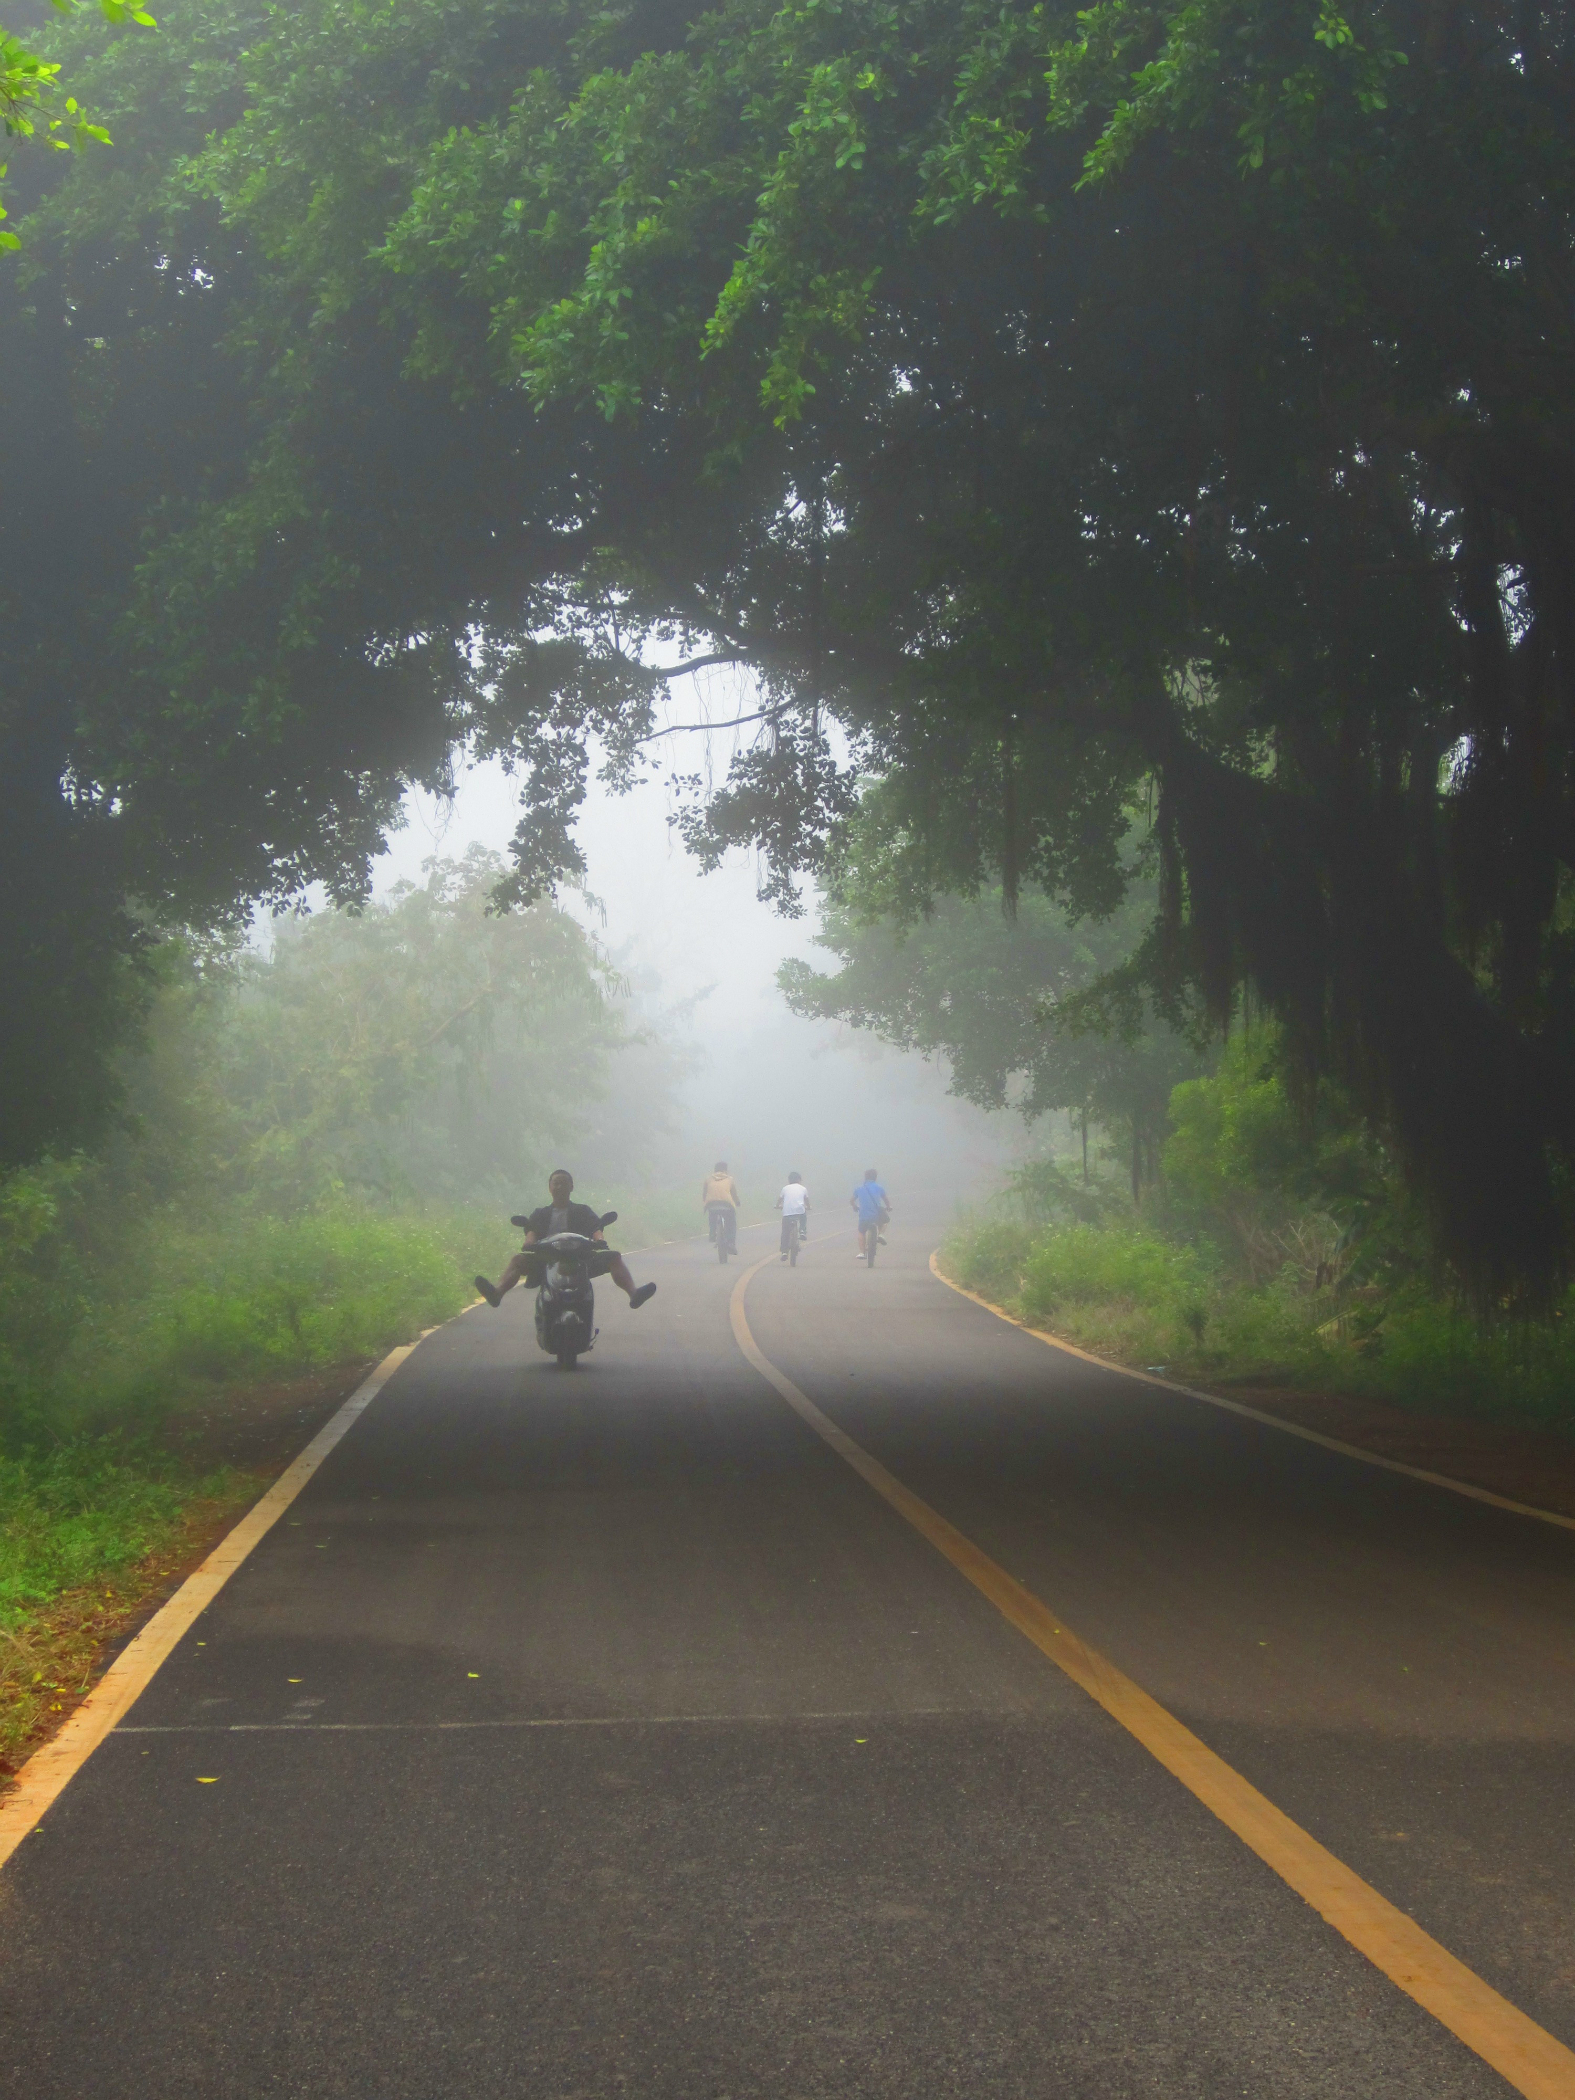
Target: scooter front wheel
point(567, 1359)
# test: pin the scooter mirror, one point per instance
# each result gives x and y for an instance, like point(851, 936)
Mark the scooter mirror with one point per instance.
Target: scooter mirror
point(609, 1217)
point(522, 1223)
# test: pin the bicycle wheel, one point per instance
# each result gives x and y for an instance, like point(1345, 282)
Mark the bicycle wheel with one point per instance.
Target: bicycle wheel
point(872, 1239)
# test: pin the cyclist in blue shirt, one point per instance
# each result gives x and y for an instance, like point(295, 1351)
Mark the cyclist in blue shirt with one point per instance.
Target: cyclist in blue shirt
point(873, 1205)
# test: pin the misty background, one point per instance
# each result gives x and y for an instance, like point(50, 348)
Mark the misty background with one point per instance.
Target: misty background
point(698, 953)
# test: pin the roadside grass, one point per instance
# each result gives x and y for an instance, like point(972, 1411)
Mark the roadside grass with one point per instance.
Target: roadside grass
point(137, 1533)
point(82, 1514)
point(1145, 1299)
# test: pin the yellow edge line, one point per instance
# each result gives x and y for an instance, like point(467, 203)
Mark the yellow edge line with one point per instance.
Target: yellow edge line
point(1257, 1414)
point(49, 1770)
point(1530, 2058)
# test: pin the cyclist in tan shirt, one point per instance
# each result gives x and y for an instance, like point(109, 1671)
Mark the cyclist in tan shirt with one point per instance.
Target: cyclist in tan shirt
point(719, 1194)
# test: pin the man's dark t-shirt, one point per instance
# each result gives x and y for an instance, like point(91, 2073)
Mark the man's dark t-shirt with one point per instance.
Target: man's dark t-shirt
point(581, 1219)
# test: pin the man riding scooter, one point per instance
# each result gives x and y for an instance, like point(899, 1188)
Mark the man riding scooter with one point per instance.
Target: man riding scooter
point(560, 1215)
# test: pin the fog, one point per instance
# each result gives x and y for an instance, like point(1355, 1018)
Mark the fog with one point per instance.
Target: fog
point(699, 953)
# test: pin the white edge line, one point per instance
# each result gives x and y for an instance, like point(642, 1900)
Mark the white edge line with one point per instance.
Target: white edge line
point(50, 1769)
point(923, 1713)
point(1257, 1414)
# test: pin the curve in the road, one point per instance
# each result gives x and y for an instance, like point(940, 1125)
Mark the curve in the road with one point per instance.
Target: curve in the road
point(1523, 2053)
point(1258, 1414)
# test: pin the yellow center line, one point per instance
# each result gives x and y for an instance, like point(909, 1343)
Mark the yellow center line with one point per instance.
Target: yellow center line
point(50, 1770)
point(1524, 2054)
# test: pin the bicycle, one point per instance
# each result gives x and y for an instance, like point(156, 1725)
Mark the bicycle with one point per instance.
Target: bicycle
point(724, 1229)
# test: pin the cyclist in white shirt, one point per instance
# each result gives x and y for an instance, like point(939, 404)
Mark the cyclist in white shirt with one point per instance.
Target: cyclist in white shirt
point(794, 1206)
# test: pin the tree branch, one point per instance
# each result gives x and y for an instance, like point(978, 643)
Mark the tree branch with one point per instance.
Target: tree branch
point(695, 663)
point(766, 714)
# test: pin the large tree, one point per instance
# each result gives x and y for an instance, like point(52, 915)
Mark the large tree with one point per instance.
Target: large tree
point(1056, 403)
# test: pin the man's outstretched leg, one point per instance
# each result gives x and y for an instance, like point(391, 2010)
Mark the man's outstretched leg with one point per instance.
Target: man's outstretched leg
point(519, 1265)
point(618, 1270)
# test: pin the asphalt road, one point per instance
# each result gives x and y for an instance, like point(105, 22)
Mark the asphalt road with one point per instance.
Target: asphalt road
point(603, 1734)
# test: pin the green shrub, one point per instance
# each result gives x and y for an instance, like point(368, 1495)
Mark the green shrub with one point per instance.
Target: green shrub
point(1270, 1333)
point(1442, 1357)
point(1138, 1297)
point(44, 1287)
point(988, 1257)
point(1083, 1263)
point(1118, 1290)
point(257, 1297)
point(283, 1295)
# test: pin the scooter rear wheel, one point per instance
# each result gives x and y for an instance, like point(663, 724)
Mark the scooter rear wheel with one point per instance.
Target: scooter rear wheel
point(567, 1358)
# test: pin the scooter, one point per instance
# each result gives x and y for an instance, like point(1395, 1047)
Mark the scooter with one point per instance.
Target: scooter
point(565, 1301)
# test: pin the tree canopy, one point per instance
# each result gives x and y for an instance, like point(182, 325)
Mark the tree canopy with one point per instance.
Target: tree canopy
point(1052, 412)
point(33, 101)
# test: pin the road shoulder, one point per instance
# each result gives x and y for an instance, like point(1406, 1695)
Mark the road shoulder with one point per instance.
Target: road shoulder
point(1528, 1470)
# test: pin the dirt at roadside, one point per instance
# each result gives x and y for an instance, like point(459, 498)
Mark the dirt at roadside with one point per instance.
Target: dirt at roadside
point(49, 1665)
point(263, 1426)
